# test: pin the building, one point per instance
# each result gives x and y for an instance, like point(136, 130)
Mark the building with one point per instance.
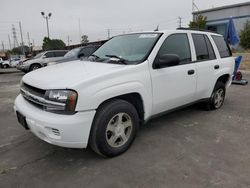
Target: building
point(218, 18)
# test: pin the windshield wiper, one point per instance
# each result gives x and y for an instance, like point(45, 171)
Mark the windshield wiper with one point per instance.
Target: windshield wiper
point(121, 60)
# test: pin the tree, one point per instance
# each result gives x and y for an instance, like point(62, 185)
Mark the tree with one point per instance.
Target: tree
point(18, 50)
point(53, 44)
point(245, 36)
point(84, 39)
point(199, 22)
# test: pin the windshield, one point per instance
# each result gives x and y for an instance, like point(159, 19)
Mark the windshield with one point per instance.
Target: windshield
point(72, 53)
point(39, 55)
point(130, 48)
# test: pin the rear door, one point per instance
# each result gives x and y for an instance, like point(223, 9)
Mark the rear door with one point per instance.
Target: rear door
point(206, 65)
point(174, 86)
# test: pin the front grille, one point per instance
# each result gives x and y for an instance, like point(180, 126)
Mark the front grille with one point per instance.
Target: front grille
point(37, 97)
point(33, 90)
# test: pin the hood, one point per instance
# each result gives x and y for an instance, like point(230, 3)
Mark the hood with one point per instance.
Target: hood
point(30, 61)
point(67, 75)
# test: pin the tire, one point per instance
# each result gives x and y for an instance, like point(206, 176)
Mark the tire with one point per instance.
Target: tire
point(34, 67)
point(114, 128)
point(217, 98)
point(5, 66)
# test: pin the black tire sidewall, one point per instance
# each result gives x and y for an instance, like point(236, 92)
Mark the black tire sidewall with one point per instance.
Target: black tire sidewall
point(219, 85)
point(34, 65)
point(101, 122)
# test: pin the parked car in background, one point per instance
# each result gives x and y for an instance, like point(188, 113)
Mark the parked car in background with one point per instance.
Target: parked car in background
point(5, 64)
point(41, 58)
point(1, 61)
point(21, 62)
point(76, 53)
point(13, 62)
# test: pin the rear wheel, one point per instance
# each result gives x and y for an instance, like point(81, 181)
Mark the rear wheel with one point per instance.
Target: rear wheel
point(34, 67)
point(5, 66)
point(114, 128)
point(217, 98)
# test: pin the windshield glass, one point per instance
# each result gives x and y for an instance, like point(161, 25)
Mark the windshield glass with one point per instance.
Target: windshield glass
point(72, 53)
point(130, 48)
point(39, 55)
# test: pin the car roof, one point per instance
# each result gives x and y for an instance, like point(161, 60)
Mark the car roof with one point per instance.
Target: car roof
point(180, 30)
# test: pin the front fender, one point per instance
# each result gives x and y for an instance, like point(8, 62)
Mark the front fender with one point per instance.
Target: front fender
point(113, 91)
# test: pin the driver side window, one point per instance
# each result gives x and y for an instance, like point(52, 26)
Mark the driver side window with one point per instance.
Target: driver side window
point(176, 44)
point(49, 55)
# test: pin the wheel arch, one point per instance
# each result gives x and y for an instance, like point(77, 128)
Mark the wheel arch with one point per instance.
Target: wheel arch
point(133, 98)
point(33, 65)
point(225, 78)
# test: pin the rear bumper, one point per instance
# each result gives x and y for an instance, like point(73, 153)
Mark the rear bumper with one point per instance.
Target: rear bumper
point(70, 131)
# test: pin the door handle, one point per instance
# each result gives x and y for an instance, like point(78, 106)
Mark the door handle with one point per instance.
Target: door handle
point(216, 67)
point(190, 72)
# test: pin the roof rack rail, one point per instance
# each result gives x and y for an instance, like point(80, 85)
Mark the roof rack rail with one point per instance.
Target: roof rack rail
point(196, 29)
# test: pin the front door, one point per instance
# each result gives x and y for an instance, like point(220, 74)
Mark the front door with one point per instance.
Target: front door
point(176, 85)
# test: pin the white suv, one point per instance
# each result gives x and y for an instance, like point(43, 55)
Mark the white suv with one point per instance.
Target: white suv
point(131, 78)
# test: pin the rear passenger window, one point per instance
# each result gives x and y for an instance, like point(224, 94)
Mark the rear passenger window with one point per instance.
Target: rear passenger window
point(222, 46)
point(60, 53)
point(177, 44)
point(203, 47)
point(210, 48)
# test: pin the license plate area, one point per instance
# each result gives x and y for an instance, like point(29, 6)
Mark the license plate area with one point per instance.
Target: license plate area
point(22, 120)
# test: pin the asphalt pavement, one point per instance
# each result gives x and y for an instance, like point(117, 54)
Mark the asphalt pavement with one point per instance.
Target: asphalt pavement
point(187, 148)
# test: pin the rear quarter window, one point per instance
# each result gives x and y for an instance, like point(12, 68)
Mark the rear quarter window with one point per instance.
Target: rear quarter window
point(222, 46)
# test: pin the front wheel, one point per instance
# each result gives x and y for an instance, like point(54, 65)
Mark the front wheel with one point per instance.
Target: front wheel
point(114, 128)
point(217, 98)
point(34, 67)
point(5, 66)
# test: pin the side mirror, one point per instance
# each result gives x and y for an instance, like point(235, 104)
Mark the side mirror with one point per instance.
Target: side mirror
point(44, 56)
point(80, 55)
point(166, 60)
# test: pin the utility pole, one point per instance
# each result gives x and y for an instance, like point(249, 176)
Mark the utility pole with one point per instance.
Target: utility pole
point(68, 40)
point(192, 6)
point(108, 33)
point(9, 42)
point(16, 44)
point(28, 35)
point(21, 34)
point(47, 17)
point(79, 29)
point(180, 21)
point(3, 46)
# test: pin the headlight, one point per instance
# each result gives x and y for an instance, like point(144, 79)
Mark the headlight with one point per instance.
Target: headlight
point(61, 101)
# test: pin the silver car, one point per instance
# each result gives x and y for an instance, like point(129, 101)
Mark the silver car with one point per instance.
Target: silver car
point(40, 59)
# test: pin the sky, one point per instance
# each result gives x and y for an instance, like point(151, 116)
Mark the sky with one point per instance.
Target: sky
point(72, 18)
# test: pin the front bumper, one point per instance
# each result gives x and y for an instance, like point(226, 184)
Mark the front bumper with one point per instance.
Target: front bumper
point(71, 131)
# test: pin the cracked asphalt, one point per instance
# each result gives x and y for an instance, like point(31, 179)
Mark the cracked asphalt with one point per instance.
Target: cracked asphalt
point(187, 148)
